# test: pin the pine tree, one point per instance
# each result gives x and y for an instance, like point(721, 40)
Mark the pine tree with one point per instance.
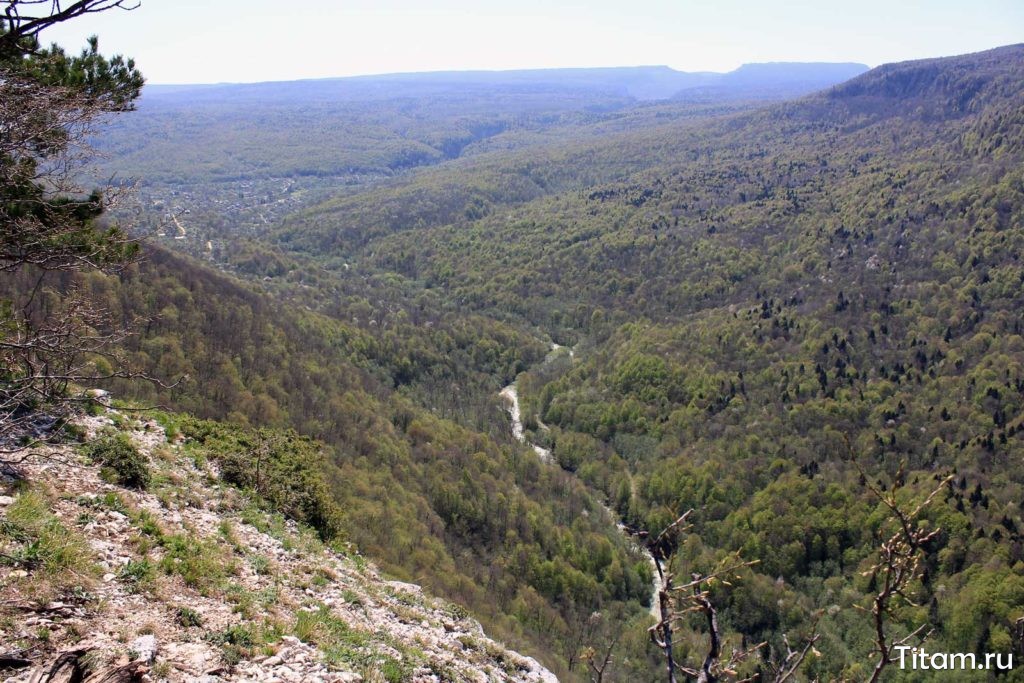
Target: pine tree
point(50, 101)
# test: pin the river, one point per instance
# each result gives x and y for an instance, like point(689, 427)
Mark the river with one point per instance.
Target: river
point(511, 396)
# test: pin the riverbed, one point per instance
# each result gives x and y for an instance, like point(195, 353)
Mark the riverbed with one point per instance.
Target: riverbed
point(511, 396)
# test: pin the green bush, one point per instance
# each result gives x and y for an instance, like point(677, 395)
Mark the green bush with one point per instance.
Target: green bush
point(125, 464)
point(200, 563)
point(240, 641)
point(186, 616)
point(137, 575)
point(285, 470)
point(73, 432)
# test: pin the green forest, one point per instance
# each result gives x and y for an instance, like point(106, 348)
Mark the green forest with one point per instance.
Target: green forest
point(787, 316)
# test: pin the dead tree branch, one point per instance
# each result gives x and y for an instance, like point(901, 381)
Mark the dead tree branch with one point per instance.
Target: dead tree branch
point(677, 602)
point(23, 20)
point(898, 566)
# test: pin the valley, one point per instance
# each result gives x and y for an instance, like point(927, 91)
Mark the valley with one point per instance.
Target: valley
point(495, 328)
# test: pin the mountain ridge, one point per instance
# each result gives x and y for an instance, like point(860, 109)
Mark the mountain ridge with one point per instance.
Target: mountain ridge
point(652, 82)
point(946, 85)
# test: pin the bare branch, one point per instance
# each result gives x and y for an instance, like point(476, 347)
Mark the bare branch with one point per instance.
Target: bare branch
point(785, 669)
point(21, 24)
point(898, 565)
point(675, 602)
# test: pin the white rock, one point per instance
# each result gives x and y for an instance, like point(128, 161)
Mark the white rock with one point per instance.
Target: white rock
point(191, 656)
point(146, 647)
point(6, 500)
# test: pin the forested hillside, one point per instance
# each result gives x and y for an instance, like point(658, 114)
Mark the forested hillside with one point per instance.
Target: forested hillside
point(528, 549)
point(220, 161)
point(767, 304)
point(779, 313)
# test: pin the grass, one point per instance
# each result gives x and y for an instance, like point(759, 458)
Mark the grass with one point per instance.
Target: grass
point(201, 563)
point(187, 617)
point(259, 564)
point(271, 524)
point(405, 597)
point(492, 650)
point(162, 670)
point(36, 540)
point(323, 576)
point(344, 646)
point(227, 531)
point(108, 501)
point(148, 524)
point(393, 670)
point(351, 597)
point(339, 642)
point(171, 423)
point(246, 601)
point(244, 640)
point(137, 575)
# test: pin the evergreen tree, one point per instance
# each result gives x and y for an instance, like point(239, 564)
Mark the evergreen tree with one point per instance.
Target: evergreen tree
point(49, 102)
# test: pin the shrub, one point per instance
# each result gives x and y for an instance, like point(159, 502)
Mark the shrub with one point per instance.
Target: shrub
point(186, 616)
point(126, 465)
point(240, 641)
point(137, 575)
point(285, 470)
point(73, 432)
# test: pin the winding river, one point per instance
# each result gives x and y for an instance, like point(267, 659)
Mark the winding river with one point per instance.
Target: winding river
point(511, 396)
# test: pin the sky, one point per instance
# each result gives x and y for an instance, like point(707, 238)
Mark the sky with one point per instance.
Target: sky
point(211, 41)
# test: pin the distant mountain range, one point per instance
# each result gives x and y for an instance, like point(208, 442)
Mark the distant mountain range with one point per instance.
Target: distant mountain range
point(638, 82)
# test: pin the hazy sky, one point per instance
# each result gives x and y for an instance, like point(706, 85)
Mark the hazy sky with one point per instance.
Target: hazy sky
point(202, 41)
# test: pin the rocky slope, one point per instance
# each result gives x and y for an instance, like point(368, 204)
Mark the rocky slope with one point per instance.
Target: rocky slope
point(189, 580)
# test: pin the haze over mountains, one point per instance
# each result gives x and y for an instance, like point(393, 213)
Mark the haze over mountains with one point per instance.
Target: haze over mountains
point(387, 123)
point(776, 308)
point(639, 82)
point(310, 139)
